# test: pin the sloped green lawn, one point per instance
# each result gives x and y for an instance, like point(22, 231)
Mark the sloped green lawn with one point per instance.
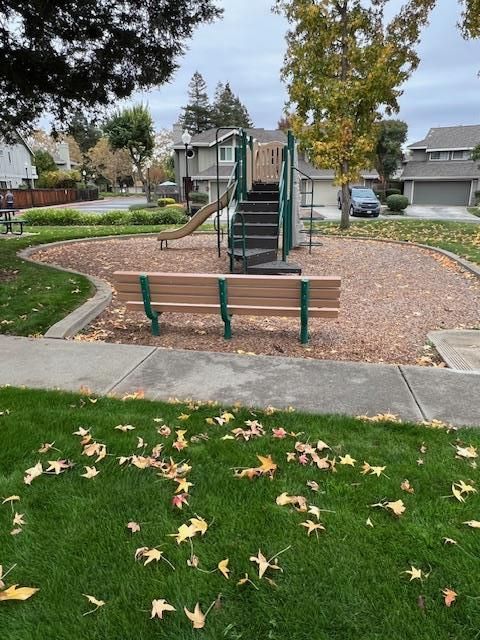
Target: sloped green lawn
point(346, 582)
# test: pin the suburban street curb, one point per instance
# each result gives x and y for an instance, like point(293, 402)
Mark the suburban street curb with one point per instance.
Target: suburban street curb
point(86, 312)
point(89, 310)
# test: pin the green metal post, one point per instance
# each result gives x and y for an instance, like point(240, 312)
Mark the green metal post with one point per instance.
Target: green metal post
point(147, 304)
point(304, 301)
point(244, 165)
point(223, 296)
point(250, 144)
point(291, 149)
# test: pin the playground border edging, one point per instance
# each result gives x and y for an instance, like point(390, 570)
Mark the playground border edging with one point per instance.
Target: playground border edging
point(89, 310)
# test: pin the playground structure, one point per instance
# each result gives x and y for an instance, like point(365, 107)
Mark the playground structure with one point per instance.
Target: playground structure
point(263, 192)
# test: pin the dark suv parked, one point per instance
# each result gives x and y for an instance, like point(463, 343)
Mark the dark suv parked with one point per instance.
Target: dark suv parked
point(363, 201)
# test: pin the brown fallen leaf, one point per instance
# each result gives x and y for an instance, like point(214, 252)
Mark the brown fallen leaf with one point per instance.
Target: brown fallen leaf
point(196, 616)
point(159, 607)
point(17, 593)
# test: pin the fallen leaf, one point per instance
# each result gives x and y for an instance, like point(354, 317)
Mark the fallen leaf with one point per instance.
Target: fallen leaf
point(369, 523)
point(223, 568)
point(475, 524)
point(159, 607)
point(414, 573)
point(263, 564)
point(11, 499)
point(466, 452)
point(58, 466)
point(312, 526)
point(183, 485)
point(196, 617)
point(449, 541)
point(46, 446)
point(90, 472)
point(133, 526)
point(347, 460)
point(406, 486)
point(183, 416)
point(314, 486)
point(124, 427)
point(93, 600)
point(449, 596)
point(18, 519)
point(299, 502)
point(199, 525)
point(279, 433)
point(20, 593)
point(32, 473)
point(397, 507)
point(179, 500)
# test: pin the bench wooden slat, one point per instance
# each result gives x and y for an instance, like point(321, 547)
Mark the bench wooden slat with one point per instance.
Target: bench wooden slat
point(166, 290)
point(233, 300)
point(235, 309)
point(239, 280)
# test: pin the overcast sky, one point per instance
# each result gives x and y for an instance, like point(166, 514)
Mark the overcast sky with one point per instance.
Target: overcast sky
point(247, 47)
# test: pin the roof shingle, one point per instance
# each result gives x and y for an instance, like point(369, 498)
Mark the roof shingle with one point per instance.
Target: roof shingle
point(461, 137)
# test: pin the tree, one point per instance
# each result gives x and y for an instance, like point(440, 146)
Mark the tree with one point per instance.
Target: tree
point(40, 139)
point(392, 134)
point(84, 132)
point(79, 55)
point(344, 66)
point(228, 110)
point(132, 129)
point(44, 161)
point(285, 122)
point(476, 153)
point(111, 164)
point(197, 115)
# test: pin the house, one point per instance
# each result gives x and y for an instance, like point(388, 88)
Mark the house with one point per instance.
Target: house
point(439, 169)
point(202, 171)
point(17, 164)
point(62, 158)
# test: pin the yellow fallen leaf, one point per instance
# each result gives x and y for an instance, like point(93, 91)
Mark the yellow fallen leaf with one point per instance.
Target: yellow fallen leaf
point(347, 460)
point(414, 573)
point(159, 607)
point(369, 523)
point(32, 473)
point(196, 617)
point(124, 427)
point(396, 507)
point(90, 472)
point(18, 519)
point(185, 532)
point(199, 525)
point(299, 502)
point(466, 452)
point(183, 416)
point(183, 485)
point(20, 593)
point(223, 568)
point(11, 499)
point(263, 563)
point(475, 524)
point(312, 526)
point(93, 600)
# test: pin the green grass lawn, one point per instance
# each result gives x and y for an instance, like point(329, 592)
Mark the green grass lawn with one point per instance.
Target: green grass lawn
point(347, 583)
point(463, 238)
point(475, 211)
point(33, 297)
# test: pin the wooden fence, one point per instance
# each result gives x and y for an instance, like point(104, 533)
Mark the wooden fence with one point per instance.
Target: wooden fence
point(28, 198)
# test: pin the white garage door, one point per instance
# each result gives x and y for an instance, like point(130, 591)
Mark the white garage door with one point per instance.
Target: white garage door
point(324, 193)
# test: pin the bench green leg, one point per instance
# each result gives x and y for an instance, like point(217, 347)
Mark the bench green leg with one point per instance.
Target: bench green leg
point(304, 300)
point(223, 295)
point(147, 305)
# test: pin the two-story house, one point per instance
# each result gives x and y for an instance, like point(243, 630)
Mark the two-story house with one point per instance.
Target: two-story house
point(202, 170)
point(17, 164)
point(440, 170)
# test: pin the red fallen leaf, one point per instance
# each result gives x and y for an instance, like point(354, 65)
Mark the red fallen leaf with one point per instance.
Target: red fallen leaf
point(179, 500)
point(303, 459)
point(449, 596)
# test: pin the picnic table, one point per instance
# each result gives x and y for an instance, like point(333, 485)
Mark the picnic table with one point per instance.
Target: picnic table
point(9, 224)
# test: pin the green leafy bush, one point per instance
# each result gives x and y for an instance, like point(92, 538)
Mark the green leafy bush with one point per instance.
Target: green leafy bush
point(397, 202)
point(477, 197)
point(58, 180)
point(73, 217)
point(165, 202)
point(393, 192)
point(143, 206)
point(198, 197)
point(54, 217)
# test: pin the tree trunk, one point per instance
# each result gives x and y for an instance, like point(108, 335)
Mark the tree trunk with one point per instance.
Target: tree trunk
point(345, 218)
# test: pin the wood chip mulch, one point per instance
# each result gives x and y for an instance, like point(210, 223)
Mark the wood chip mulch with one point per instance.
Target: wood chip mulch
point(392, 296)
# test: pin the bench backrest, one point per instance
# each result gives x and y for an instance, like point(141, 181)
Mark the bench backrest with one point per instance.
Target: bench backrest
point(243, 290)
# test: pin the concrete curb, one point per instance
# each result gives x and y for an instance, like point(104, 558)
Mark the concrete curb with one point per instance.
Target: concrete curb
point(86, 312)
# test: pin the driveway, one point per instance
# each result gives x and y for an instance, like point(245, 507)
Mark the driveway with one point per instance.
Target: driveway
point(417, 212)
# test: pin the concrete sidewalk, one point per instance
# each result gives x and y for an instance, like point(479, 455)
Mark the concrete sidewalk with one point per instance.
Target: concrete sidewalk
point(314, 386)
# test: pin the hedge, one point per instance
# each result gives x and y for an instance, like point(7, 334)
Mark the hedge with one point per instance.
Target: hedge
point(397, 203)
point(165, 202)
point(73, 217)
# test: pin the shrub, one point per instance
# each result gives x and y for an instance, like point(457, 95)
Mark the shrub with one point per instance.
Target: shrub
point(198, 197)
point(397, 202)
point(143, 206)
point(56, 217)
point(114, 218)
point(58, 179)
point(166, 215)
point(477, 197)
point(165, 202)
point(393, 192)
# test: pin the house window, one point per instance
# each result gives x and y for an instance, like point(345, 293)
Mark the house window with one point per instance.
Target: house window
point(226, 154)
point(440, 155)
point(461, 155)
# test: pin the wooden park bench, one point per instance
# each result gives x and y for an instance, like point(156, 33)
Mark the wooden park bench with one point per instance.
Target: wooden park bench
point(230, 295)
